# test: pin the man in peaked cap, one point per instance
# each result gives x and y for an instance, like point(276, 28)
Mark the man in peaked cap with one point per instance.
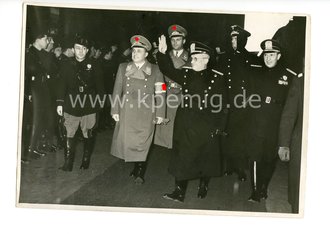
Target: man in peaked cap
point(140, 85)
point(179, 57)
point(237, 64)
point(80, 78)
point(197, 125)
point(271, 84)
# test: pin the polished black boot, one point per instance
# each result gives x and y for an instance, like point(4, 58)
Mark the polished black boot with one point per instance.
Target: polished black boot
point(139, 172)
point(203, 187)
point(88, 149)
point(68, 155)
point(255, 182)
point(179, 193)
point(33, 152)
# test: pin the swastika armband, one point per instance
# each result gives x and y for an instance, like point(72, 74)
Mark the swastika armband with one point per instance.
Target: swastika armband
point(160, 87)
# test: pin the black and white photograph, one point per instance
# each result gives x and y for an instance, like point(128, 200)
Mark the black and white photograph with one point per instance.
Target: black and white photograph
point(163, 111)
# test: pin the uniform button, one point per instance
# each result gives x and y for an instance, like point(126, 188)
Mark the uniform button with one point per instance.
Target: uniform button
point(144, 93)
point(186, 70)
point(145, 86)
point(205, 91)
point(247, 61)
point(228, 65)
point(32, 77)
point(229, 80)
point(184, 83)
point(145, 79)
point(128, 78)
point(212, 81)
point(127, 92)
point(186, 98)
point(127, 85)
point(228, 59)
point(126, 100)
point(202, 73)
point(229, 86)
point(185, 76)
point(186, 105)
point(203, 101)
point(180, 88)
point(229, 73)
point(215, 75)
point(201, 108)
point(186, 90)
point(48, 76)
point(209, 87)
point(243, 81)
point(242, 87)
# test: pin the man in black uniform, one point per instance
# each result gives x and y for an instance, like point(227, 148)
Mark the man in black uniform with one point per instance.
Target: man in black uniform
point(37, 91)
point(236, 64)
point(271, 84)
point(80, 79)
point(199, 119)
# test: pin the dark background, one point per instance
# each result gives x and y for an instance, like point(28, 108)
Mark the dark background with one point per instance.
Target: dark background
point(117, 26)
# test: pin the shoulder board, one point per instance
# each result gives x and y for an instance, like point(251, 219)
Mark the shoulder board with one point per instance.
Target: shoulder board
point(300, 75)
point(255, 65)
point(292, 72)
point(186, 67)
point(217, 72)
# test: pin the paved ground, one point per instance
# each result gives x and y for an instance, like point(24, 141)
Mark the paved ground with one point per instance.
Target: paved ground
point(107, 183)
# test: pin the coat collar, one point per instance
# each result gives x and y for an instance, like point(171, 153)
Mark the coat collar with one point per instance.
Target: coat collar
point(132, 70)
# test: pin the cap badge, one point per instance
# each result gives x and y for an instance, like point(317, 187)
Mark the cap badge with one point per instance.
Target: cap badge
point(136, 39)
point(174, 27)
point(268, 45)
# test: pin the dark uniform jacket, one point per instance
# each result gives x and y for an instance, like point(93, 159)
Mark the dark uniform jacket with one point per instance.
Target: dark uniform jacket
point(195, 151)
point(36, 78)
point(237, 67)
point(272, 85)
point(81, 87)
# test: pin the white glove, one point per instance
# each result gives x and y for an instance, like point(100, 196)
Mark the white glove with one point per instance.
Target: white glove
point(159, 120)
point(162, 47)
point(116, 117)
point(59, 110)
point(284, 153)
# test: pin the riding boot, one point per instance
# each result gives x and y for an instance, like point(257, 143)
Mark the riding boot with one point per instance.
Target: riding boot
point(68, 155)
point(140, 171)
point(88, 149)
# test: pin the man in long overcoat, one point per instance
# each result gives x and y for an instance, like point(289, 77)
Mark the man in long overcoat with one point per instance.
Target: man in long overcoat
point(199, 120)
point(138, 103)
point(179, 57)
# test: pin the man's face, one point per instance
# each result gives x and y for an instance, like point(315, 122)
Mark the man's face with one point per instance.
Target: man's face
point(43, 42)
point(139, 54)
point(80, 51)
point(177, 42)
point(271, 59)
point(50, 45)
point(234, 42)
point(108, 56)
point(98, 53)
point(199, 61)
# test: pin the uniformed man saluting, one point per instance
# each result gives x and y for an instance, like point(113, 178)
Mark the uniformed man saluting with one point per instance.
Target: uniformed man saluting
point(198, 122)
point(138, 103)
point(179, 57)
point(80, 96)
point(271, 84)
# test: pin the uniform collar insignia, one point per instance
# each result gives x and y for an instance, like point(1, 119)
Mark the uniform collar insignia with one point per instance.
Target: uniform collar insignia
point(146, 68)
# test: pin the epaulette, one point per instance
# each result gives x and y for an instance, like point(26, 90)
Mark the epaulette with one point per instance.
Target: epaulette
point(292, 72)
point(255, 65)
point(217, 72)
